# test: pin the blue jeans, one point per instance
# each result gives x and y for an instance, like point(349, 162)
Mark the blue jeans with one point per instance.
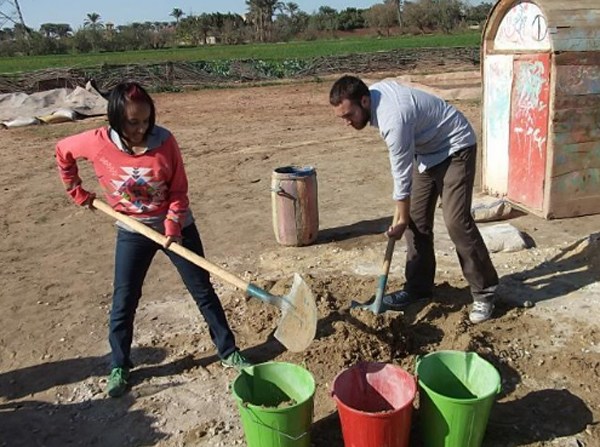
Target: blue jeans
point(133, 256)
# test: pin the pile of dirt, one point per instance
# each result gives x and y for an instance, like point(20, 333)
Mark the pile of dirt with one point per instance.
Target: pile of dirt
point(355, 334)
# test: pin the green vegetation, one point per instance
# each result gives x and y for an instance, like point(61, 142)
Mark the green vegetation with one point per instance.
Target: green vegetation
point(269, 52)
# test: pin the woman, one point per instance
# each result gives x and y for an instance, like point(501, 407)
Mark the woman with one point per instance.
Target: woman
point(141, 172)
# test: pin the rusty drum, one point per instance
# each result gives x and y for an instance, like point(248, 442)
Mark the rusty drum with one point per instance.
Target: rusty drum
point(295, 205)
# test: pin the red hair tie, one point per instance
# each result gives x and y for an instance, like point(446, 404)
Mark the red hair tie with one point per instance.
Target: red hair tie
point(135, 94)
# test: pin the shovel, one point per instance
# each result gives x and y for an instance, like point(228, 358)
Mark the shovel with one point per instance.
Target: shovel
point(377, 306)
point(298, 324)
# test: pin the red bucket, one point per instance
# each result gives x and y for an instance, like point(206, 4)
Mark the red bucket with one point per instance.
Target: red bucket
point(374, 401)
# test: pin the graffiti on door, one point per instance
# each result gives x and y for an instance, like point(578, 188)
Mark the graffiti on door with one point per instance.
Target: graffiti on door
point(529, 130)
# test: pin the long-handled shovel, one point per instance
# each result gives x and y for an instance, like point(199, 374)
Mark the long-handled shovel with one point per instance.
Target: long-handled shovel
point(377, 306)
point(298, 323)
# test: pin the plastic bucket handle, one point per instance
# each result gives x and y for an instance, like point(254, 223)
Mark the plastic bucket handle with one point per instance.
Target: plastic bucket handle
point(279, 432)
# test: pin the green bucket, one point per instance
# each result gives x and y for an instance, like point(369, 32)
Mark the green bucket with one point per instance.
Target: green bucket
point(275, 400)
point(457, 391)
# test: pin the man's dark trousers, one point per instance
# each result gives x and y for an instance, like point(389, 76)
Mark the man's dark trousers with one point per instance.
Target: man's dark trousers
point(452, 180)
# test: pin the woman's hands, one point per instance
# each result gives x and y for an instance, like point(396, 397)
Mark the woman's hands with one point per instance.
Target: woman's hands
point(172, 239)
point(89, 202)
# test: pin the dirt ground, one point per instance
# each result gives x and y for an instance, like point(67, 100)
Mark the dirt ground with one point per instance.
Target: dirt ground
point(57, 261)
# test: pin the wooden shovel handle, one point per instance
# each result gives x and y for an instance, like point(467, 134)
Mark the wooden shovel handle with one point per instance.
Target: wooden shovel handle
point(387, 260)
point(389, 251)
point(175, 248)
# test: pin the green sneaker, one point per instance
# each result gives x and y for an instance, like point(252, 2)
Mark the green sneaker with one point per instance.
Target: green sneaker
point(117, 381)
point(235, 360)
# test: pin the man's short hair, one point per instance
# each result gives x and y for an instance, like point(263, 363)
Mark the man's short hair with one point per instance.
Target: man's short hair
point(348, 87)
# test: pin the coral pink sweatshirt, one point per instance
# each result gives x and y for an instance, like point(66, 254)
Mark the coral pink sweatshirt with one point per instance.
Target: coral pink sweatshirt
point(148, 185)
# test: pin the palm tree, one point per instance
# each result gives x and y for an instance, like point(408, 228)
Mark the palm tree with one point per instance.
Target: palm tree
point(291, 8)
point(177, 14)
point(399, 4)
point(330, 18)
point(254, 17)
point(94, 24)
point(204, 26)
point(260, 13)
point(93, 21)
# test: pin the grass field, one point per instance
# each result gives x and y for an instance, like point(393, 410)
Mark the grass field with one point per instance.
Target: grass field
point(280, 51)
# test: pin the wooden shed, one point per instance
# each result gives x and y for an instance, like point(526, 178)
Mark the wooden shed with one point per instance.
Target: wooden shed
point(541, 105)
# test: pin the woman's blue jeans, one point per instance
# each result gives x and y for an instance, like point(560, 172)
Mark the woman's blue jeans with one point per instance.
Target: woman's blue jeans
point(134, 254)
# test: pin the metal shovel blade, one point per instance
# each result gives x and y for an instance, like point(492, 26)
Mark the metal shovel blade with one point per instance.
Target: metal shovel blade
point(377, 306)
point(298, 324)
point(373, 307)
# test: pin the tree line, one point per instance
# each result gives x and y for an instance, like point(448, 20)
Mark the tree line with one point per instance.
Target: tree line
point(265, 21)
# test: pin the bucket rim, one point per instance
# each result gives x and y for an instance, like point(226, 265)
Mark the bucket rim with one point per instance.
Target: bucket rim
point(380, 415)
point(454, 399)
point(262, 409)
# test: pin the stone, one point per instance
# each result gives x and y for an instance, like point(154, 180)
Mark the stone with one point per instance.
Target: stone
point(503, 238)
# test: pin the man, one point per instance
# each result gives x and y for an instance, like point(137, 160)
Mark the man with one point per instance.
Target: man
point(423, 131)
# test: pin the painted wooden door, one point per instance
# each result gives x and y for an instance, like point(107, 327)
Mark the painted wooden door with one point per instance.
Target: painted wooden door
point(529, 129)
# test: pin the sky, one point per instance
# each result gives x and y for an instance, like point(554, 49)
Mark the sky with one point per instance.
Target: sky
point(74, 12)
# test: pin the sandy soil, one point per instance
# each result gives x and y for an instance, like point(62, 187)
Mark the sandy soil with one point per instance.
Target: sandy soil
point(57, 265)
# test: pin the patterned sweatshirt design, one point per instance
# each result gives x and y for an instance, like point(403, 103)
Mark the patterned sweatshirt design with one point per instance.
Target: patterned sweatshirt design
point(151, 186)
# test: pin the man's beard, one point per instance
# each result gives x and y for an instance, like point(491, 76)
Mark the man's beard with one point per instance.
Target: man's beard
point(365, 118)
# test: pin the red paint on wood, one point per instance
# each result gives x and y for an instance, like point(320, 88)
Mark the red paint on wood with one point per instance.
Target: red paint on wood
point(529, 130)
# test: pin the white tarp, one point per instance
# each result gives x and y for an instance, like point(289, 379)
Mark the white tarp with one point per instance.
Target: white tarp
point(57, 105)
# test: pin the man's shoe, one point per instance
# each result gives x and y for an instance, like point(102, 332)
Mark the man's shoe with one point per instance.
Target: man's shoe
point(480, 312)
point(400, 300)
point(235, 360)
point(117, 381)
